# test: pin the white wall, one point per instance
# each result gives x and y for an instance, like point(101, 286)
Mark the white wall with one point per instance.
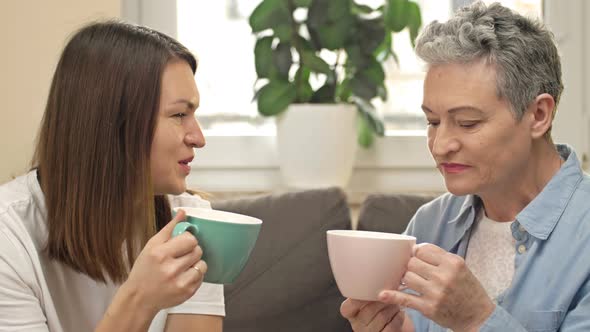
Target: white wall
point(32, 34)
point(572, 32)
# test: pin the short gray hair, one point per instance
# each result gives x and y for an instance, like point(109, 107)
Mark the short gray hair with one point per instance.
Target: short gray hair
point(522, 50)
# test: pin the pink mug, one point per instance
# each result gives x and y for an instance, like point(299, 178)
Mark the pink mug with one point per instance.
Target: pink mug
point(365, 263)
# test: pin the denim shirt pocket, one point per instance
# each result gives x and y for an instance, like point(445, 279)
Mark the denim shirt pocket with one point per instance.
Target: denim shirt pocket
point(544, 321)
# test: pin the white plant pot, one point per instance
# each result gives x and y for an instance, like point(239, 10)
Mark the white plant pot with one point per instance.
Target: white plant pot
point(317, 144)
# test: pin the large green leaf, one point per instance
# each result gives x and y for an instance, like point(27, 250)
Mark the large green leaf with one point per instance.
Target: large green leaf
point(414, 21)
point(361, 9)
point(368, 112)
point(325, 94)
point(283, 59)
point(269, 14)
point(334, 35)
point(317, 14)
point(363, 87)
point(275, 97)
point(314, 62)
point(338, 9)
point(303, 73)
point(374, 72)
point(365, 135)
point(263, 55)
point(371, 34)
point(304, 89)
point(329, 23)
point(304, 44)
point(355, 56)
point(376, 125)
point(382, 92)
point(302, 3)
point(396, 14)
point(344, 90)
point(283, 32)
point(385, 49)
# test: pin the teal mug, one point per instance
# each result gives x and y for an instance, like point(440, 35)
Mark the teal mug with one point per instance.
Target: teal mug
point(227, 239)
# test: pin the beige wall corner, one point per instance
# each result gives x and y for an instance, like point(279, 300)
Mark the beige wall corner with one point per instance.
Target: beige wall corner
point(33, 34)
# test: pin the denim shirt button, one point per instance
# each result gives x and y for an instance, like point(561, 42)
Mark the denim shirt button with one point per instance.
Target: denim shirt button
point(521, 229)
point(521, 249)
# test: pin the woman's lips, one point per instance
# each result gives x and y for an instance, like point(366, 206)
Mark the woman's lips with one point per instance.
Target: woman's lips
point(184, 165)
point(185, 168)
point(453, 168)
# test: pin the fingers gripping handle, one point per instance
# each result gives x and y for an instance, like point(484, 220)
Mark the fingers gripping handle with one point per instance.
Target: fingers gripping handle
point(184, 226)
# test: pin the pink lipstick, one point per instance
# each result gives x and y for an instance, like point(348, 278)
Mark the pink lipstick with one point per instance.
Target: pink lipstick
point(453, 168)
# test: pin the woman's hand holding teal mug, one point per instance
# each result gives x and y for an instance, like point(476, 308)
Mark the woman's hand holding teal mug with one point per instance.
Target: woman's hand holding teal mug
point(166, 273)
point(227, 239)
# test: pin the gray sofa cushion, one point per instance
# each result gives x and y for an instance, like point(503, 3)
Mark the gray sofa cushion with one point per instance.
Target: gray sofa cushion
point(389, 212)
point(287, 284)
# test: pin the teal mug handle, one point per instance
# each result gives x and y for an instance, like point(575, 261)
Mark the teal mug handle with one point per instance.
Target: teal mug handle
point(184, 226)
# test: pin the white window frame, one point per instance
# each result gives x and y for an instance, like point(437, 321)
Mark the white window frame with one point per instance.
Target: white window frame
point(396, 163)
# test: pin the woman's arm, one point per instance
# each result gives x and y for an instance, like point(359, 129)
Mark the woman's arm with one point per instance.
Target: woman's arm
point(193, 323)
point(125, 313)
point(162, 276)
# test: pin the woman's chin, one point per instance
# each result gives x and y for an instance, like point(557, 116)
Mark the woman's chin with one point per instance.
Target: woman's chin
point(171, 189)
point(459, 189)
point(178, 190)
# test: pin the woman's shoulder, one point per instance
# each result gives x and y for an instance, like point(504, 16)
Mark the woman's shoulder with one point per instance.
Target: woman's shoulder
point(15, 192)
point(19, 202)
point(21, 216)
point(17, 244)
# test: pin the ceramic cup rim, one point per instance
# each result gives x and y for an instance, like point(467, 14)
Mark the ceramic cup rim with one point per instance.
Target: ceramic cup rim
point(370, 235)
point(219, 215)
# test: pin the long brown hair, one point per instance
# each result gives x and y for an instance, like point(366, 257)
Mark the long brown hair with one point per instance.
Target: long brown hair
point(94, 145)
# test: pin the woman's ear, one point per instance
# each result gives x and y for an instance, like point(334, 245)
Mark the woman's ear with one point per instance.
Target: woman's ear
point(542, 111)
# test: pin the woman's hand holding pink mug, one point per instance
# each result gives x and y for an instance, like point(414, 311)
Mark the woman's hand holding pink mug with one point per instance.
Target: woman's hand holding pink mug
point(445, 291)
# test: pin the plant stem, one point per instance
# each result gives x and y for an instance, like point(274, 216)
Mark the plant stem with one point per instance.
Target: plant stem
point(335, 73)
point(296, 43)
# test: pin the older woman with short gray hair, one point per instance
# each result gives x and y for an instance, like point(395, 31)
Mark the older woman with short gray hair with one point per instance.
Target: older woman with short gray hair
point(502, 250)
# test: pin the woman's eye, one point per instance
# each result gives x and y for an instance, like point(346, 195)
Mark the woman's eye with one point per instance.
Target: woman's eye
point(432, 123)
point(468, 124)
point(179, 115)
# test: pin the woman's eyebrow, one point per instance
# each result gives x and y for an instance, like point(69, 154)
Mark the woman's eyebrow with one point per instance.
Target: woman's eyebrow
point(456, 109)
point(193, 103)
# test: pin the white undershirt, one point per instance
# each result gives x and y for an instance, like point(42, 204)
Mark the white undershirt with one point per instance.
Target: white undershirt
point(490, 255)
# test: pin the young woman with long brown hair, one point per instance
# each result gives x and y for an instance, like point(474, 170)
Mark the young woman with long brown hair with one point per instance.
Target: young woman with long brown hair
point(85, 236)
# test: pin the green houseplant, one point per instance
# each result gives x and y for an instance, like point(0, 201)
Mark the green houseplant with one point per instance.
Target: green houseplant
point(327, 51)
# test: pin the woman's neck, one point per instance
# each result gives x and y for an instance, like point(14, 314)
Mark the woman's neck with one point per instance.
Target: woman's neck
point(508, 199)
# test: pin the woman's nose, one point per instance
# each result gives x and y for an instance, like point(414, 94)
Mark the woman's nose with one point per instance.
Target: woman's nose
point(443, 142)
point(194, 137)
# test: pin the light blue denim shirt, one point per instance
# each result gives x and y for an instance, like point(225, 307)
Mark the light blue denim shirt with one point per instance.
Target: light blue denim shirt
point(550, 289)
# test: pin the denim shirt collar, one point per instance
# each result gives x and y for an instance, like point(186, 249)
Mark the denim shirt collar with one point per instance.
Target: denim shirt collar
point(541, 215)
point(471, 204)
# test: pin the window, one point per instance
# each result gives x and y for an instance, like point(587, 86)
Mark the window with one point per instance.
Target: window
point(219, 34)
point(244, 158)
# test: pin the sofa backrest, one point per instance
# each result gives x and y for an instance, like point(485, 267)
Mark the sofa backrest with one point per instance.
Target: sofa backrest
point(389, 213)
point(287, 284)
